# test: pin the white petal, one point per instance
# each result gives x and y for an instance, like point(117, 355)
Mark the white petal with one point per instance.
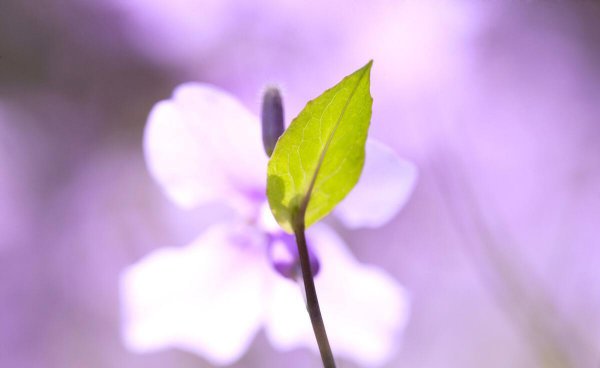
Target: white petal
point(385, 185)
point(202, 145)
point(206, 298)
point(364, 309)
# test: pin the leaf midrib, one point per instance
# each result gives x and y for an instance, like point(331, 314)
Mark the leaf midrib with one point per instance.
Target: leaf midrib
point(307, 196)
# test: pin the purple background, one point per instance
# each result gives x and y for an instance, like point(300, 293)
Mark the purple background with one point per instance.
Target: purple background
point(498, 104)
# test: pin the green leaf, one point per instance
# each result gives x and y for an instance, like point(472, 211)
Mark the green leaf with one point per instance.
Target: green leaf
point(319, 158)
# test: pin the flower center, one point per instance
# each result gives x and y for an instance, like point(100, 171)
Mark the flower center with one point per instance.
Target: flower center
point(284, 257)
point(281, 247)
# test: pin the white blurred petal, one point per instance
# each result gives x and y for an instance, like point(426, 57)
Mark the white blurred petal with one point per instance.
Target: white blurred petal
point(385, 185)
point(364, 309)
point(206, 298)
point(202, 145)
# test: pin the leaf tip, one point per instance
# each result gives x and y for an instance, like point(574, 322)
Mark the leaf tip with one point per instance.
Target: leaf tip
point(367, 66)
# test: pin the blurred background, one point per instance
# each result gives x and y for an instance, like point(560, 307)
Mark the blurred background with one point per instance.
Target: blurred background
point(498, 104)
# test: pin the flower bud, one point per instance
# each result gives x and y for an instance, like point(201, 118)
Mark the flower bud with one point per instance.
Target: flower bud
point(272, 119)
point(284, 257)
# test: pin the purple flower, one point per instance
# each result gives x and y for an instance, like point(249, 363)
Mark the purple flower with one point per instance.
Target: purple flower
point(213, 295)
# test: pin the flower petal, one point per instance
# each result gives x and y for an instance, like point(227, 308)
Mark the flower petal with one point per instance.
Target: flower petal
point(364, 309)
point(202, 145)
point(384, 187)
point(206, 298)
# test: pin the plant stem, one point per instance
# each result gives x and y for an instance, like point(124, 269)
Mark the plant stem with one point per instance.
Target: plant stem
point(312, 302)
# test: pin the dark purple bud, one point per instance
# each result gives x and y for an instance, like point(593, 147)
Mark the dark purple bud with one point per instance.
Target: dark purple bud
point(272, 119)
point(283, 254)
